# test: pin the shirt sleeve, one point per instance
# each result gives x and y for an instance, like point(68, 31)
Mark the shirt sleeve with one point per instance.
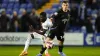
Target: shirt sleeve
point(47, 24)
point(54, 15)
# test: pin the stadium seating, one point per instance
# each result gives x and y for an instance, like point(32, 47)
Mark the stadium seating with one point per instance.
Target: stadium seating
point(29, 5)
point(9, 11)
point(10, 6)
point(4, 5)
point(14, 5)
point(16, 9)
point(23, 6)
point(56, 5)
point(5, 1)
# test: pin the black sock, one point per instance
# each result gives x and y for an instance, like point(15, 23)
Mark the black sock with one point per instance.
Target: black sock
point(60, 48)
point(32, 36)
point(43, 49)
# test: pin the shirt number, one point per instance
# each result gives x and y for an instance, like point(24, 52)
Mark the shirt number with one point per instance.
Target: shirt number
point(64, 20)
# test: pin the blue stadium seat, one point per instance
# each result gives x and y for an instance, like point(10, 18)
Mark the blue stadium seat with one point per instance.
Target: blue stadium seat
point(23, 6)
point(16, 5)
point(9, 11)
point(54, 9)
point(20, 11)
point(4, 5)
point(16, 9)
point(29, 6)
point(16, 1)
point(56, 6)
point(11, 1)
point(89, 11)
point(10, 5)
point(49, 11)
point(5, 1)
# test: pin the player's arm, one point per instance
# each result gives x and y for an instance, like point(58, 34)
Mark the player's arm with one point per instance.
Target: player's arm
point(53, 16)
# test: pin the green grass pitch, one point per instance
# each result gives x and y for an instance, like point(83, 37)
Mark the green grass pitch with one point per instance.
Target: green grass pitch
point(33, 50)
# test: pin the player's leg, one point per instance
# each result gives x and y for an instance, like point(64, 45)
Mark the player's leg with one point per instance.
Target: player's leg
point(29, 38)
point(44, 49)
point(49, 38)
point(47, 53)
point(43, 40)
point(60, 41)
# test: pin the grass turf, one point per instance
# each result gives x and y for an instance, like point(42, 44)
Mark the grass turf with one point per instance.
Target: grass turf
point(33, 50)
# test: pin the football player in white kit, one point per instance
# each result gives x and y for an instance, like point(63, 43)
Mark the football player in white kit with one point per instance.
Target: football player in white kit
point(46, 23)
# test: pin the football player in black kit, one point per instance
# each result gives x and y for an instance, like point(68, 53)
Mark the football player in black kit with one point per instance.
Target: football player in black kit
point(60, 19)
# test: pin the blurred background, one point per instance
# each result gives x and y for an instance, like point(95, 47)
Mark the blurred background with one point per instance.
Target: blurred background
point(85, 14)
point(83, 29)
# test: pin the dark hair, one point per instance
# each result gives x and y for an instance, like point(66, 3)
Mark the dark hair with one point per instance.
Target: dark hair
point(43, 14)
point(64, 1)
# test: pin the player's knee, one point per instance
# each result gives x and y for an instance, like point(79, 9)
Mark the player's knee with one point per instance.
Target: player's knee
point(61, 41)
point(48, 39)
point(44, 45)
point(32, 36)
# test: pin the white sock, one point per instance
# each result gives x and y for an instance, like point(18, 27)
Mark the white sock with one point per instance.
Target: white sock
point(29, 38)
point(46, 51)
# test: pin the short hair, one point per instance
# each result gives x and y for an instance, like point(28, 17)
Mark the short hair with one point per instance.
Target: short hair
point(43, 14)
point(64, 1)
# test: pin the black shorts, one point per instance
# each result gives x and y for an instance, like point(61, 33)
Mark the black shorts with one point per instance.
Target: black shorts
point(57, 33)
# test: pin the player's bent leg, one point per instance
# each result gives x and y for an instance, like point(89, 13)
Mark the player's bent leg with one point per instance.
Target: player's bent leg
point(42, 51)
point(44, 48)
point(46, 53)
point(61, 41)
point(29, 38)
point(27, 42)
